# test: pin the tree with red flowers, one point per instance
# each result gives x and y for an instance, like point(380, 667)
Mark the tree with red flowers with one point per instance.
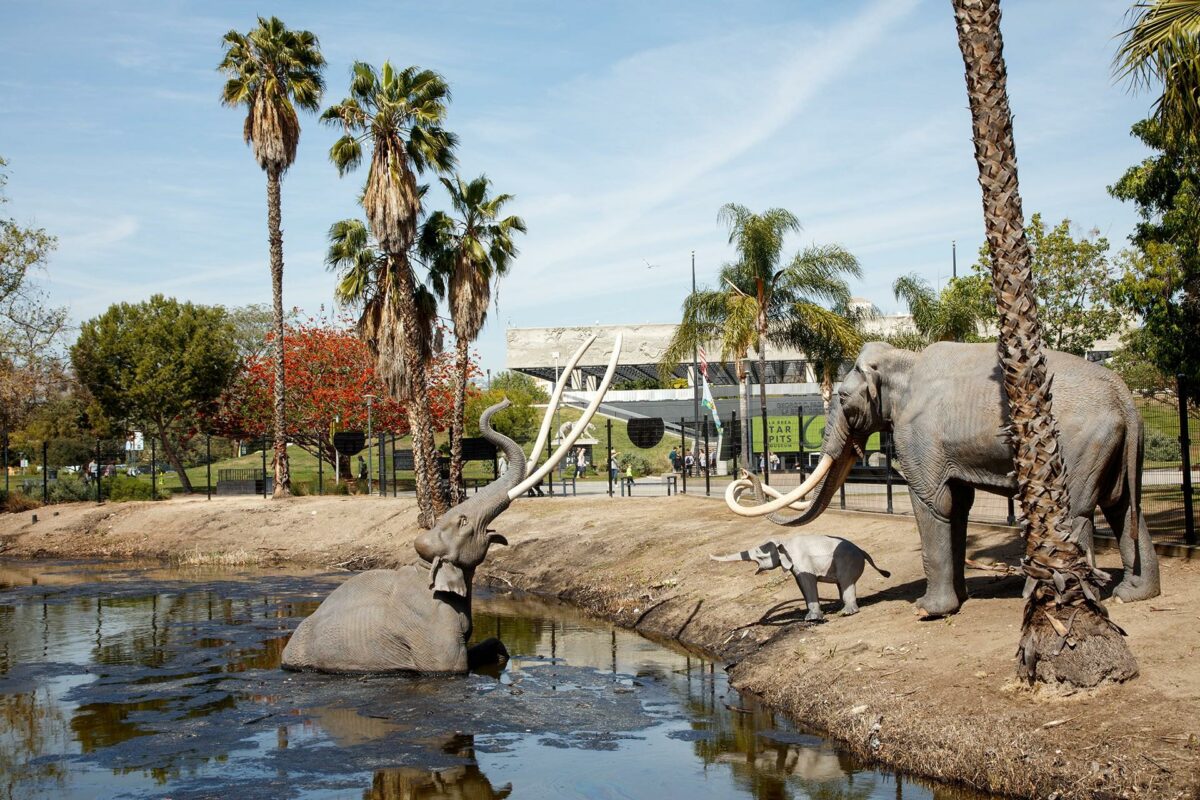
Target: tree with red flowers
point(329, 373)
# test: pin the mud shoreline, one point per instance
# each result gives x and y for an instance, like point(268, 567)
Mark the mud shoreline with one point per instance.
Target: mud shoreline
point(934, 698)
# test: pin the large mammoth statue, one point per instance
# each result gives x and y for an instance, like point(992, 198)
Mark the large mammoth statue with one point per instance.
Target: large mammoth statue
point(946, 408)
point(418, 618)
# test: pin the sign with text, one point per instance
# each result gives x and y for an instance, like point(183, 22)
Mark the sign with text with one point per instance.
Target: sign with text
point(785, 434)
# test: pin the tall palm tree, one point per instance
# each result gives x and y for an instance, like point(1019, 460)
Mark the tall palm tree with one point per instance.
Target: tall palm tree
point(1162, 46)
point(789, 313)
point(273, 70)
point(398, 114)
point(1063, 588)
point(465, 254)
point(790, 293)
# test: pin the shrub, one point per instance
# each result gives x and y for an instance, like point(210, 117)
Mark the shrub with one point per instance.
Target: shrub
point(15, 502)
point(1161, 447)
point(641, 466)
point(121, 488)
point(70, 489)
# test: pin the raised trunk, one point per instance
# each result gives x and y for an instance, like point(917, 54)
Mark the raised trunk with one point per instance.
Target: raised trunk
point(457, 423)
point(283, 476)
point(1066, 634)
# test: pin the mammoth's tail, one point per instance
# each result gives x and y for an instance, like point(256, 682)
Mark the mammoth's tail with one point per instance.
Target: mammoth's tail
point(871, 561)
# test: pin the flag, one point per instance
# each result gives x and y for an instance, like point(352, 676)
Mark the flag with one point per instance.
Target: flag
point(711, 404)
point(703, 361)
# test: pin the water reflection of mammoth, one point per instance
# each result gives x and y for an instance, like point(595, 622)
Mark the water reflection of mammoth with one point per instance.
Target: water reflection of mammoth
point(462, 782)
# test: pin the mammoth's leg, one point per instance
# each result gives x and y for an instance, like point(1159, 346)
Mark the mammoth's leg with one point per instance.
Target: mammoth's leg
point(938, 557)
point(1140, 581)
point(961, 499)
point(849, 599)
point(808, 587)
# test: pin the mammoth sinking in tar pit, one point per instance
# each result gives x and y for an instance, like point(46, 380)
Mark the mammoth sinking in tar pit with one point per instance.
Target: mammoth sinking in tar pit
point(813, 560)
point(418, 618)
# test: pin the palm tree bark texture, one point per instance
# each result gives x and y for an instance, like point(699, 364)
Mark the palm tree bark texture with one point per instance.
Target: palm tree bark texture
point(283, 478)
point(1066, 634)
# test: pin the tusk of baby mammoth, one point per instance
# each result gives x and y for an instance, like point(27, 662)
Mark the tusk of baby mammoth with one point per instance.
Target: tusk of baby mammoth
point(576, 430)
point(555, 398)
point(781, 502)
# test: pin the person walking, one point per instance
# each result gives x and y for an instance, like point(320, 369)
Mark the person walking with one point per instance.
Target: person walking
point(612, 465)
point(502, 464)
point(703, 463)
point(689, 463)
point(674, 457)
point(580, 463)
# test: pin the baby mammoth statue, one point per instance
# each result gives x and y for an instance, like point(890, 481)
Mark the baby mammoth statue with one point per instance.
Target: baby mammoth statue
point(418, 618)
point(813, 560)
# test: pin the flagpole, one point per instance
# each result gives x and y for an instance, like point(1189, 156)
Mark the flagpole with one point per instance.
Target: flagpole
point(695, 370)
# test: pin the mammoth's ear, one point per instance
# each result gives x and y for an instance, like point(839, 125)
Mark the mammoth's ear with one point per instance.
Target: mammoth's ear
point(785, 558)
point(445, 576)
point(871, 375)
point(496, 538)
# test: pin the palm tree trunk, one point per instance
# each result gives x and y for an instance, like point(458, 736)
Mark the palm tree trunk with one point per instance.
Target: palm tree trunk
point(430, 504)
point(283, 477)
point(762, 405)
point(744, 401)
point(1066, 634)
point(457, 422)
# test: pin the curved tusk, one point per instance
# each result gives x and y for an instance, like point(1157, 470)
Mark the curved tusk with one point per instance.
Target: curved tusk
point(576, 430)
point(735, 490)
point(555, 398)
point(776, 494)
point(782, 502)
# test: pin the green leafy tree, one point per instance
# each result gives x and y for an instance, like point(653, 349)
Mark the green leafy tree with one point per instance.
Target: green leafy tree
point(1063, 605)
point(466, 251)
point(1160, 281)
point(830, 352)
point(272, 71)
point(520, 420)
point(759, 300)
point(398, 115)
point(1073, 280)
point(29, 325)
point(159, 364)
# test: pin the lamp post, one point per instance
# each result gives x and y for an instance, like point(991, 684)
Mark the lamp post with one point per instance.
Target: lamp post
point(695, 364)
point(370, 398)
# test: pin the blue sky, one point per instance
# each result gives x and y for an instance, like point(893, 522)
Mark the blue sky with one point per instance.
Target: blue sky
point(621, 127)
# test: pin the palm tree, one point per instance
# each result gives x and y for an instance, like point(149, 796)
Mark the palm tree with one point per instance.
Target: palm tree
point(953, 316)
point(1162, 46)
point(465, 254)
point(756, 305)
point(789, 294)
point(398, 114)
point(272, 71)
point(1063, 588)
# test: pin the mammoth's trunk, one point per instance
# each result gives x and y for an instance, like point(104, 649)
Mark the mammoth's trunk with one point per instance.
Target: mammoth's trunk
point(512, 451)
point(839, 454)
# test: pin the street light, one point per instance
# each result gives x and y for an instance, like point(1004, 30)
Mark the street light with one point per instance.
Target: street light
point(695, 372)
point(369, 397)
point(555, 355)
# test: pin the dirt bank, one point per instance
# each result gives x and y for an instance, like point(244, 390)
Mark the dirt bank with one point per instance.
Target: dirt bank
point(935, 698)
